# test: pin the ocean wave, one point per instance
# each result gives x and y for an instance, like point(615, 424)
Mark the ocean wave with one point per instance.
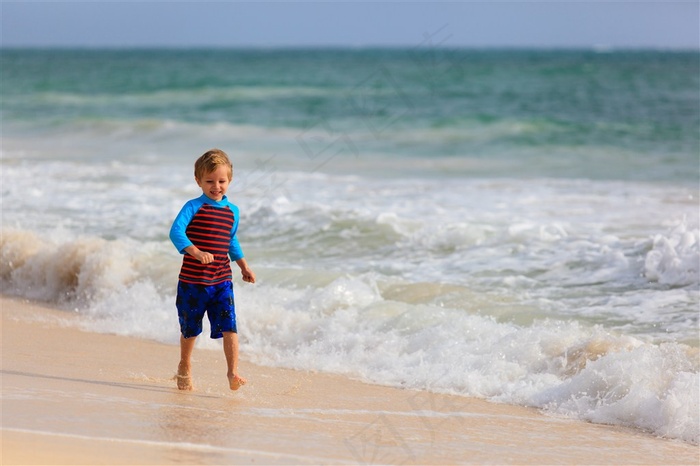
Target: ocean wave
point(567, 250)
point(185, 96)
point(76, 271)
point(618, 389)
point(674, 258)
point(349, 327)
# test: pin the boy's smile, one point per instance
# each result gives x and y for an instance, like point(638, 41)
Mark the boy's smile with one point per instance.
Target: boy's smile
point(215, 184)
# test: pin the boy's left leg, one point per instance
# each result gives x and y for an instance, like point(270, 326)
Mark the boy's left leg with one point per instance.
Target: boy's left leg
point(222, 316)
point(184, 368)
point(231, 351)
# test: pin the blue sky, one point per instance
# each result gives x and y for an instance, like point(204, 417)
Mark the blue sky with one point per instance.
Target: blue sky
point(562, 23)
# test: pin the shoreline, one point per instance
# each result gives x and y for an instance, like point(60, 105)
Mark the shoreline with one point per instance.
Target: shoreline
point(76, 397)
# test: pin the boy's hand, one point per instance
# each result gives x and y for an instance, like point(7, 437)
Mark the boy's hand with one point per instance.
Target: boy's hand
point(201, 256)
point(248, 275)
point(205, 257)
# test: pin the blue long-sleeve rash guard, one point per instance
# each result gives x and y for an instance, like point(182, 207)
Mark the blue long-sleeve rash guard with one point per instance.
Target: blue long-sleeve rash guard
point(178, 230)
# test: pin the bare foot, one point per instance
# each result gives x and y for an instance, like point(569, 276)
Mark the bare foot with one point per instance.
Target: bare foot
point(235, 381)
point(184, 379)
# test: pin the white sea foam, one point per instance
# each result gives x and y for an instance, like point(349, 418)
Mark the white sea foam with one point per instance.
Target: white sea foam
point(618, 389)
point(675, 258)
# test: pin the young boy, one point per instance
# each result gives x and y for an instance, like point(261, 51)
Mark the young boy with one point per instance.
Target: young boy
point(205, 232)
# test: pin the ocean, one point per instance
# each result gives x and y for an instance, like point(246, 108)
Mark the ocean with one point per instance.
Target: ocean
point(515, 225)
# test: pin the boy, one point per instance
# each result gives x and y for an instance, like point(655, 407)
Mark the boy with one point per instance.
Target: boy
point(205, 232)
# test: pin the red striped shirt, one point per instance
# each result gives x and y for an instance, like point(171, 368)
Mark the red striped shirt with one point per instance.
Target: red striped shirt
point(210, 231)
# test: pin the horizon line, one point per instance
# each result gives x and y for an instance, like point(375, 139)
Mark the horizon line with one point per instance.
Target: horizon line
point(601, 48)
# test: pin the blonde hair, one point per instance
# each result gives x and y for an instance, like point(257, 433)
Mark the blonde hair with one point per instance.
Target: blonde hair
point(210, 161)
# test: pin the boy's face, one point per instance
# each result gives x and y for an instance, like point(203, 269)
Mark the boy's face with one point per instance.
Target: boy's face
point(214, 184)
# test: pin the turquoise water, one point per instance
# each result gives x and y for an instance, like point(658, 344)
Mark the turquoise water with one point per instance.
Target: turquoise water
point(520, 226)
point(620, 115)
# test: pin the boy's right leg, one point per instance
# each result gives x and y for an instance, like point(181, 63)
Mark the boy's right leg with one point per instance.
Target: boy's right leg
point(184, 369)
point(231, 351)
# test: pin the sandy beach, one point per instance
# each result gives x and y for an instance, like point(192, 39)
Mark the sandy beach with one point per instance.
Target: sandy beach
point(74, 397)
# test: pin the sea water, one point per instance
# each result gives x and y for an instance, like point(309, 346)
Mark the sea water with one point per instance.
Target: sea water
point(520, 226)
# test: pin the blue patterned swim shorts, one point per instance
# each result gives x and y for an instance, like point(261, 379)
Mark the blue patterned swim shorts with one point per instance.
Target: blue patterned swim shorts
point(215, 300)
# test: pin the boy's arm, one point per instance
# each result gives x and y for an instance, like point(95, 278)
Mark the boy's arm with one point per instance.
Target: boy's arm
point(236, 254)
point(235, 251)
point(179, 237)
point(178, 233)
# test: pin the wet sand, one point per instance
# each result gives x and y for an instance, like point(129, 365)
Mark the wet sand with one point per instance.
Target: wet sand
point(76, 397)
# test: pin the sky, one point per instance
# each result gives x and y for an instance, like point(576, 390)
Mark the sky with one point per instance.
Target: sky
point(542, 24)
